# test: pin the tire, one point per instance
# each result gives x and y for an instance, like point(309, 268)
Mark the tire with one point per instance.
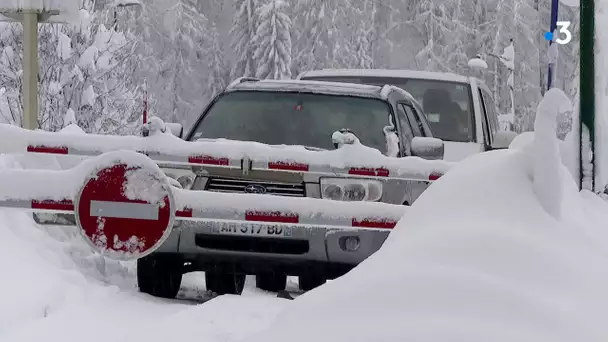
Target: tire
point(271, 281)
point(310, 281)
point(222, 282)
point(160, 275)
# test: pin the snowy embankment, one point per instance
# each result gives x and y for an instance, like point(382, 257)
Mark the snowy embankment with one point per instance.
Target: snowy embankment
point(502, 248)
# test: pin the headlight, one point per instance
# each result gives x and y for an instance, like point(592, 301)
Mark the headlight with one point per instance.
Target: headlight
point(348, 189)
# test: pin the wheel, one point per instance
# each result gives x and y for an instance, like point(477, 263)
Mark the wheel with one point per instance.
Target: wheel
point(160, 275)
point(310, 281)
point(271, 281)
point(222, 282)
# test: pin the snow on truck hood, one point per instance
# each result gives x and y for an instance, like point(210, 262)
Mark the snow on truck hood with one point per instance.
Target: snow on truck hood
point(492, 266)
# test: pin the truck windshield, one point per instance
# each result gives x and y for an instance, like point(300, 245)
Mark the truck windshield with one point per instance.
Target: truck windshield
point(278, 118)
point(447, 105)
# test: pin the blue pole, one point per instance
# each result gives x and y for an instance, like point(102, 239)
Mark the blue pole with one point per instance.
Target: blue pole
point(554, 11)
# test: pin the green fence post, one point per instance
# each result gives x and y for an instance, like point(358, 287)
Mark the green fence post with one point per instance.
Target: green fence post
point(587, 87)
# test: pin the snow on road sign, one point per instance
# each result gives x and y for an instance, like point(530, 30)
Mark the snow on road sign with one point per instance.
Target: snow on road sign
point(125, 211)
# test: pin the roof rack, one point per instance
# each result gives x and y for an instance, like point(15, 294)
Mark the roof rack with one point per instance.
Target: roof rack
point(242, 80)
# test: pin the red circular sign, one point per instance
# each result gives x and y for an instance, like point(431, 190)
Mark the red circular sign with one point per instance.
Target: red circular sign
point(125, 212)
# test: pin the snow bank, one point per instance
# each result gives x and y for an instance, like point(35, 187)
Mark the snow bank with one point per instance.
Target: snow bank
point(16, 140)
point(476, 258)
point(225, 318)
point(492, 266)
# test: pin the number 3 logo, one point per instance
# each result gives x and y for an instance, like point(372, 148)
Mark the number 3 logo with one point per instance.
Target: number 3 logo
point(563, 29)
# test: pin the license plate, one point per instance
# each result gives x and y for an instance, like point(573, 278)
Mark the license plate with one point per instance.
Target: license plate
point(248, 229)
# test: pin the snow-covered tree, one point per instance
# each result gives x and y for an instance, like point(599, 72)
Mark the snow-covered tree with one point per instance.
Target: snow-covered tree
point(273, 41)
point(321, 34)
point(218, 71)
point(174, 41)
point(243, 32)
point(84, 67)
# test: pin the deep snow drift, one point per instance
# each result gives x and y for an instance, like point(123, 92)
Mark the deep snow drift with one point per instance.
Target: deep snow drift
point(476, 258)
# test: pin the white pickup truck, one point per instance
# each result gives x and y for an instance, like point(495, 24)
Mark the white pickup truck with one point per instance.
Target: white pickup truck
point(459, 109)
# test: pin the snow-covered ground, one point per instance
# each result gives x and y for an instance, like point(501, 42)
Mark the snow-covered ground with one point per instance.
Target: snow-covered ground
point(54, 289)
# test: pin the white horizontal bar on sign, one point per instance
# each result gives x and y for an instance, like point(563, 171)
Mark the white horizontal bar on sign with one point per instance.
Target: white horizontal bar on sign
point(126, 210)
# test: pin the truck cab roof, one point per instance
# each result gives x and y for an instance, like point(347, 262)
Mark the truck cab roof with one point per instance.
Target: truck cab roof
point(398, 73)
point(318, 87)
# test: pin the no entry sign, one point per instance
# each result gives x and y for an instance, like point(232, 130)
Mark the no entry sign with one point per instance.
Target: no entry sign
point(125, 211)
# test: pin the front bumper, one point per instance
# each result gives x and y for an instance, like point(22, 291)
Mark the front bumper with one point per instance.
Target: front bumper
point(274, 243)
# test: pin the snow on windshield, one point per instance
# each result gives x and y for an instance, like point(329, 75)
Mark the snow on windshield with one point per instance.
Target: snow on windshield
point(282, 118)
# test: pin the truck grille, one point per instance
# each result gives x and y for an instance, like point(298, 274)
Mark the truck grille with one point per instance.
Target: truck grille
point(233, 185)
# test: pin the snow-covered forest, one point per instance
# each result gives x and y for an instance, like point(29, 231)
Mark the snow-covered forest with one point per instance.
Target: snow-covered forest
point(186, 51)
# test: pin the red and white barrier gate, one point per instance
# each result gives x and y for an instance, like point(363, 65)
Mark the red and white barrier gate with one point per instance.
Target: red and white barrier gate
point(125, 207)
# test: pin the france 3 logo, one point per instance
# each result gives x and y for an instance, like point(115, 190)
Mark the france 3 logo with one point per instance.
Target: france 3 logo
point(564, 35)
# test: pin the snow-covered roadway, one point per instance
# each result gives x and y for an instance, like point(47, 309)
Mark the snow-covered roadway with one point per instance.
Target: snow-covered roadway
point(55, 289)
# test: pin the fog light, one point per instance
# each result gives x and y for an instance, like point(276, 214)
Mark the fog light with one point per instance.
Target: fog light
point(332, 192)
point(352, 243)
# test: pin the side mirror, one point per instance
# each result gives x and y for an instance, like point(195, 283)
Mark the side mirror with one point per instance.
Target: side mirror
point(175, 129)
point(427, 148)
point(502, 139)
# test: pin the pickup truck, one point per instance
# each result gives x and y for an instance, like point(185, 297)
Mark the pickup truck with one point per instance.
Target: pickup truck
point(313, 116)
point(460, 109)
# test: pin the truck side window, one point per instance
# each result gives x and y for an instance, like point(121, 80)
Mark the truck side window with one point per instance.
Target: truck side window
point(491, 111)
point(406, 135)
point(412, 119)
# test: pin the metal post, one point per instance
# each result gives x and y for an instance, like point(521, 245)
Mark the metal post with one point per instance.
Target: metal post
point(587, 88)
point(30, 69)
point(553, 27)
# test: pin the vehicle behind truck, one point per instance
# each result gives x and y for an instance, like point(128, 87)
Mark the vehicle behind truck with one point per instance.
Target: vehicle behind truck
point(459, 109)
